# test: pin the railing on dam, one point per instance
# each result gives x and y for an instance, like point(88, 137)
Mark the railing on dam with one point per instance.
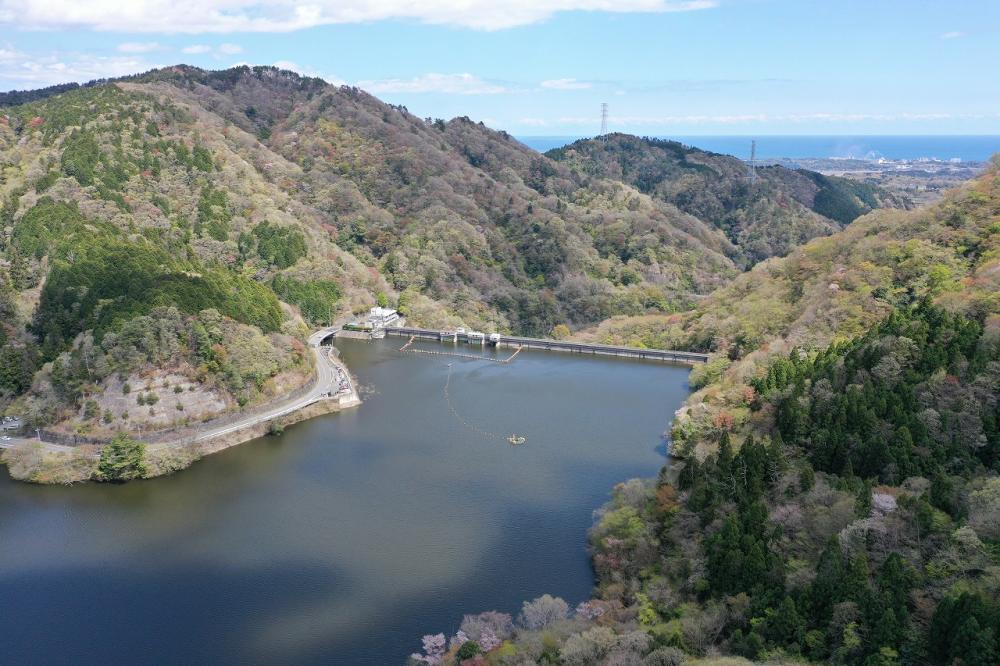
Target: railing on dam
point(558, 345)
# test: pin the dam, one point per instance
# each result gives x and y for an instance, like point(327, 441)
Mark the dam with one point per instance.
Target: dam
point(499, 340)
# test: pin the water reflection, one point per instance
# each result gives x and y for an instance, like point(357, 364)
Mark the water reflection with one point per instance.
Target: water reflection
point(348, 537)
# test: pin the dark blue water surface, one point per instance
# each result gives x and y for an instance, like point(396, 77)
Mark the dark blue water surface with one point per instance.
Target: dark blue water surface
point(350, 536)
point(965, 148)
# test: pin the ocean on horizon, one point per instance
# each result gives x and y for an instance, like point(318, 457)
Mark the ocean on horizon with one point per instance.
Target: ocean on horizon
point(967, 148)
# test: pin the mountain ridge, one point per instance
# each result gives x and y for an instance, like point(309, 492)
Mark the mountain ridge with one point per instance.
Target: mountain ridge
point(766, 212)
point(832, 493)
point(295, 202)
point(835, 494)
point(128, 204)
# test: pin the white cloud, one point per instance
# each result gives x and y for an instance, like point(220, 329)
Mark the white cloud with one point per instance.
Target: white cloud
point(8, 53)
point(954, 34)
point(27, 71)
point(293, 66)
point(218, 52)
point(139, 47)
point(308, 71)
point(453, 84)
point(227, 16)
point(566, 84)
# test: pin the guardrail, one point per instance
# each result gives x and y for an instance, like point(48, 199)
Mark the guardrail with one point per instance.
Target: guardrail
point(65, 438)
point(182, 433)
point(194, 430)
point(672, 356)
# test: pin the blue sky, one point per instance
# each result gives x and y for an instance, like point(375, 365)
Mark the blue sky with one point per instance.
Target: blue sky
point(543, 67)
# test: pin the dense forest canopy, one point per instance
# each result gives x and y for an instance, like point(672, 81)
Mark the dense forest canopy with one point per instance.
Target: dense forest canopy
point(173, 236)
point(481, 226)
point(916, 396)
point(123, 233)
point(835, 491)
point(764, 217)
point(233, 191)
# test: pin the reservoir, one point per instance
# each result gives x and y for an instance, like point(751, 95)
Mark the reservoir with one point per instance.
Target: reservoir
point(350, 536)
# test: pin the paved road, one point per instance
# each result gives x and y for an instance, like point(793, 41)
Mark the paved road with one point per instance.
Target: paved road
point(325, 386)
point(328, 368)
point(14, 441)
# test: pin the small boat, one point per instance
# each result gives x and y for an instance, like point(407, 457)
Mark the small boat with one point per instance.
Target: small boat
point(514, 439)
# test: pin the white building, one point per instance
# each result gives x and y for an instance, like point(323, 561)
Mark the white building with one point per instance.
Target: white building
point(382, 317)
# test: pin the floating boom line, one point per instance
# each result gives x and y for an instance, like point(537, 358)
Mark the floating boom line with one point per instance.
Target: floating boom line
point(472, 357)
point(512, 439)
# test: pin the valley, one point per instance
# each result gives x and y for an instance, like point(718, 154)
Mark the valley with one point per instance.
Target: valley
point(185, 228)
point(177, 248)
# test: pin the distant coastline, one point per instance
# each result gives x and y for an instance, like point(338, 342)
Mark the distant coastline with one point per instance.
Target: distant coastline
point(967, 148)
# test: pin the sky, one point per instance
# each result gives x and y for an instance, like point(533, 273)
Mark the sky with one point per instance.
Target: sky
point(543, 67)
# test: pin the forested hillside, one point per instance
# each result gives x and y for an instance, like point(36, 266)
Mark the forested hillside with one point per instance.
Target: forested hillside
point(836, 492)
point(463, 222)
point(137, 257)
point(219, 215)
point(167, 241)
point(781, 209)
point(188, 191)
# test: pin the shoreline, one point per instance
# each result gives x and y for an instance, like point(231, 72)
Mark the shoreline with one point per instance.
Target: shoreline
point(46, 463)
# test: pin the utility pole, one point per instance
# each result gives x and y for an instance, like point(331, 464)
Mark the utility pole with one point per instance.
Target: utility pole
point(604, 118)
